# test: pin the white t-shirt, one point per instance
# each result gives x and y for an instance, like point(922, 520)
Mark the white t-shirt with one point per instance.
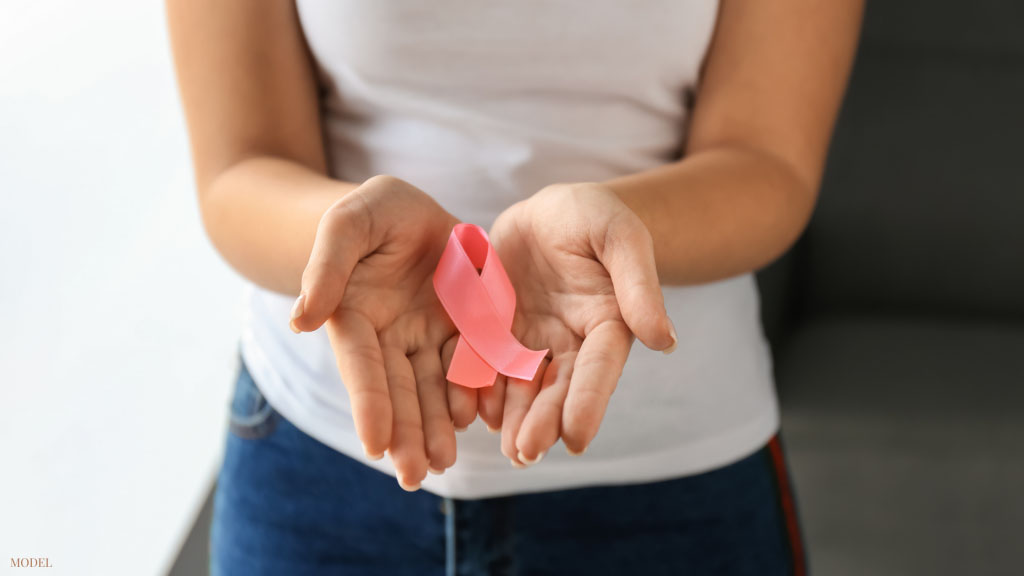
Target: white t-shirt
point(481, 104)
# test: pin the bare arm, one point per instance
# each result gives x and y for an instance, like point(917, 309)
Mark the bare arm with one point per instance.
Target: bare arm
point(250, 99)
point(588, 258)
point(361, 257)
point(744, 191)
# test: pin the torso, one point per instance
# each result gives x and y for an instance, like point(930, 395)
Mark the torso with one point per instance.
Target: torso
point(481, 105)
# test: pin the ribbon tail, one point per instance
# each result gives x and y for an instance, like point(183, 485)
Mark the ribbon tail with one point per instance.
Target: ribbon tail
point(525, 364)
point(481, 307)
point(468, 369)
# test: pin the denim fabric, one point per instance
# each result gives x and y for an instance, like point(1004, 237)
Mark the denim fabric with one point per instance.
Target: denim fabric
point(287, 504)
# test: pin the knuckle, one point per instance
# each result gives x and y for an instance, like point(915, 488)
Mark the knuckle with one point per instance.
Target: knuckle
point(595, 400)
point(372, 396)
point(392, 337)
point(403, 393)
point(369, 355)
point(411, 425)
point(605, 363)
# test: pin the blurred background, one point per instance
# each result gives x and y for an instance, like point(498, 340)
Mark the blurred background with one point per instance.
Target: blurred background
point(118, 322)
point(897, 321)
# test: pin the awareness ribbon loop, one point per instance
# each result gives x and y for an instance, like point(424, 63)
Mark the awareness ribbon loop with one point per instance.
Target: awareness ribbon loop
point(481, 305)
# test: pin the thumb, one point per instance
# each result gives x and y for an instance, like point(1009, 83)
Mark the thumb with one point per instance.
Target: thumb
point(341, 240)
point(628, 255)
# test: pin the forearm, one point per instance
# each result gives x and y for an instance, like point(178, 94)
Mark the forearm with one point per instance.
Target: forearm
point(262, 215)
point(718, 213)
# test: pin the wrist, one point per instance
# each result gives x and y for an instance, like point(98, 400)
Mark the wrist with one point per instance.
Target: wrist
point(635, 203)
point(615, 203)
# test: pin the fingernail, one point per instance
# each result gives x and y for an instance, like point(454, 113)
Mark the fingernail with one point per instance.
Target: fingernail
point(493, 430)
point(408, 487)
point(530, 462)
point(675, 339)
point(372, 456)
point(297, 309)
point(463, 429)
point(574, 453)
point(516, 464)
point(434, 471)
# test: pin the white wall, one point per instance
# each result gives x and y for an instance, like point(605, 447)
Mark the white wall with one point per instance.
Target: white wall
point(117, 319)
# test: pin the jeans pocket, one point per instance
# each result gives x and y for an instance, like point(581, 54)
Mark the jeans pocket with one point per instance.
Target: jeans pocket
point(252, 417)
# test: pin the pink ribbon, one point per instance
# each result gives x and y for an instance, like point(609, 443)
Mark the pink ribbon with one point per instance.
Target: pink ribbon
point(481, 305)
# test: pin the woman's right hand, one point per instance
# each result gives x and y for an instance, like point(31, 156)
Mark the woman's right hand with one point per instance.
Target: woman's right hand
point(369, 278)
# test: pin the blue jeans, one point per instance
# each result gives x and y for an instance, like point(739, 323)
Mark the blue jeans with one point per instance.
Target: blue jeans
point(288, 505)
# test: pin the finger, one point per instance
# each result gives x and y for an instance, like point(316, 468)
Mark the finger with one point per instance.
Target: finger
point(341, 240)
point(594, 377)
point(408, 450)
point(438, 431)
point(628, 255)
point(462, 401)
point(543, 422)
point(519, 394)
point(492, 403)
point(361, 366)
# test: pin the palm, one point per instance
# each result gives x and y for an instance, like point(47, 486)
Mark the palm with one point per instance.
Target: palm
point(582, 264)
point(390, 328)
point(560, 292)
point(370, 278)
point(566, 302)
point(391, 288)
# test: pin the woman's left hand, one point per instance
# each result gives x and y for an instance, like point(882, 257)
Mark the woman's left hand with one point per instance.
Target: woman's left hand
point(582, 264)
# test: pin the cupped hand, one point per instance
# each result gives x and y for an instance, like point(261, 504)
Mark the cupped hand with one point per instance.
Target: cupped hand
point(369, 278)
point(582, 264)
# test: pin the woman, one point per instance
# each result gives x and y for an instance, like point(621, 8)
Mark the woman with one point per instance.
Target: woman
point(634, 162)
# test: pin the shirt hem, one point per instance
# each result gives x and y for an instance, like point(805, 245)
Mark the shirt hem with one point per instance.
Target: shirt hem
point(467, 482)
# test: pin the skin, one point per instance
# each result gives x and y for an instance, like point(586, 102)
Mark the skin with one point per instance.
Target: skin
point(587, 282)
point(583, 267)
